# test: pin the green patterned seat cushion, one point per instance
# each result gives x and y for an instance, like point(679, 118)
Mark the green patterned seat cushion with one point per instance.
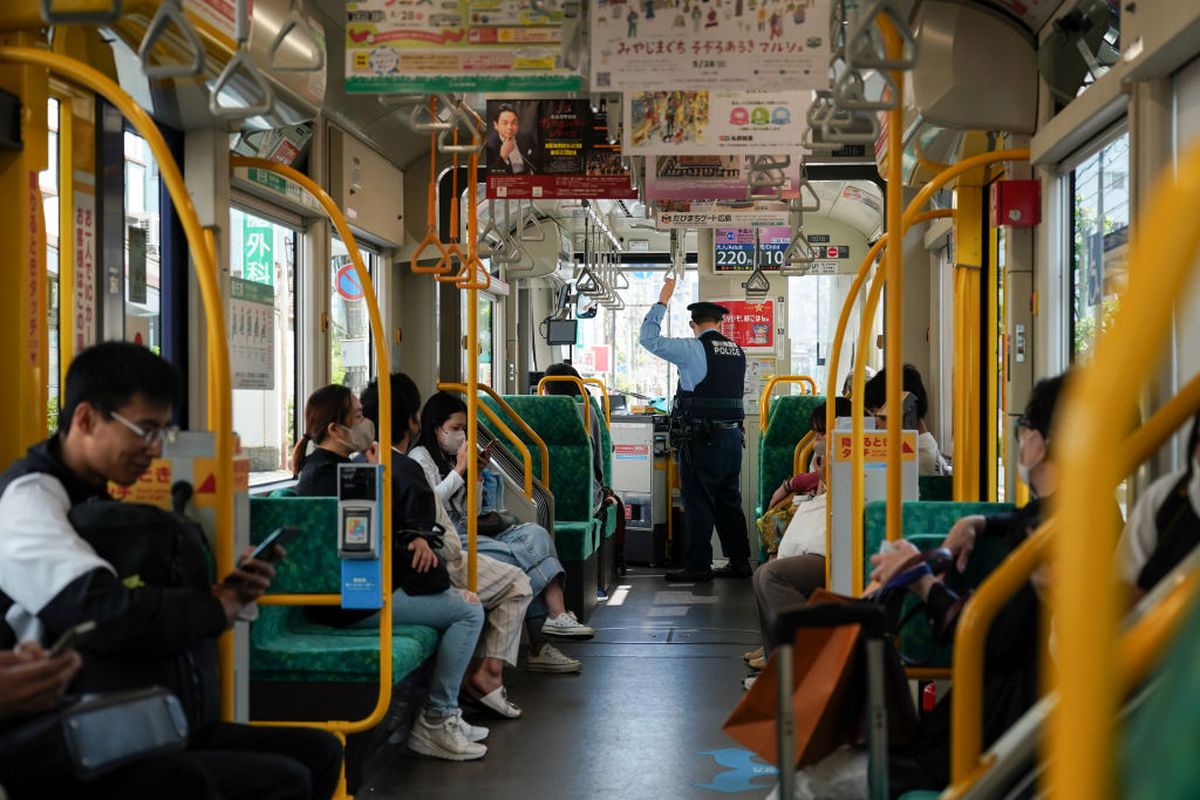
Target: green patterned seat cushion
point(576, 541)
point(926, 524)
point(312, 565)
point(556, 419)
point(286, 647)
point(938, 488)
point(1158, 749)
point(787, 424)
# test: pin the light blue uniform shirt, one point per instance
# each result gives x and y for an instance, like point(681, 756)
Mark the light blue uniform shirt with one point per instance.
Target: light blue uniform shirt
point(687, 354)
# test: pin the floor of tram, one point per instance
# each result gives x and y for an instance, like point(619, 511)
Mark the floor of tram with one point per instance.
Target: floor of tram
point(642, 720)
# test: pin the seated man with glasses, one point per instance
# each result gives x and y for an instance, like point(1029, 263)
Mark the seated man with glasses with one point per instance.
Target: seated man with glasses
point(116, 415)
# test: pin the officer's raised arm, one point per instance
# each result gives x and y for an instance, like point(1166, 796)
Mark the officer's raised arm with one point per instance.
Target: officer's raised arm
point(677, 351)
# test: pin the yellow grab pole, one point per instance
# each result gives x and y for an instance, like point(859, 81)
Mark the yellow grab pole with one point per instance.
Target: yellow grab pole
point(587, 406)
point(383, 370)
point(604, 396)
point(538, 441)
point(218, 365)
point(764, 398)
point(968, 374)
point(1085, 601)
point(893, 349)
point(801, 452)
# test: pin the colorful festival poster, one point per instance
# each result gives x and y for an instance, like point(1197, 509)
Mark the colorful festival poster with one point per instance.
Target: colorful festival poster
point(708, 178)
point(692, 44)
point(751, 325)
point(702, 122)
point(422, 46)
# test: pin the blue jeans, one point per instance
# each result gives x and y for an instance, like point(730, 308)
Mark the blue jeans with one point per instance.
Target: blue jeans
point(528, 546)
point(459, 623)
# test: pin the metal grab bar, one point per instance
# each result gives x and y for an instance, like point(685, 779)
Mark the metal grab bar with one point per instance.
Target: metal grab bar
point(583, 392)
point(469, 120)
point(98, 17)
point(295, 22)
point(866, 49)
point(170, 11)
point(505, 430)
point(241, 60)
point(530, 221)
point(850, 92)
point(764, 397)
point(433, 125)
point(757, 286)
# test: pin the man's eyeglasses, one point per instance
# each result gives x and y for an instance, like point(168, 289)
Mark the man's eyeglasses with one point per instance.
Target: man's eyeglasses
point(1023, 424)
point(151, 438)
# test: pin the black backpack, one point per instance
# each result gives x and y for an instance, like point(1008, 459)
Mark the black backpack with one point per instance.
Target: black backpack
point(148, 546)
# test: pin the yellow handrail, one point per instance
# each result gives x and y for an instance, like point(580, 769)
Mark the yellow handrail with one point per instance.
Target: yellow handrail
point(587, 406)
point(966, 707)
point(604, 395)
point(383, 370)
point(804, 448)
point(764, 398)
point(220, 417)
point(300, 600)
point(1085, 606)
point(538, 441)
point(506, 431)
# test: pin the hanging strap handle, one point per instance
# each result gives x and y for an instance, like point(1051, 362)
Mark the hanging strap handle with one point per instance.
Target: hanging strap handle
point(295, 22)
point(241, 61)
point(170, 12)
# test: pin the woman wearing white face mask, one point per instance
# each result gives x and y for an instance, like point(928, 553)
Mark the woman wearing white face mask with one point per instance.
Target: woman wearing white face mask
point(334, 423)
point(1165, 524)
point(444, 455)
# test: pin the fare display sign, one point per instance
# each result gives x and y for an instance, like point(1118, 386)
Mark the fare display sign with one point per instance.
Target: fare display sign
point(733, 248)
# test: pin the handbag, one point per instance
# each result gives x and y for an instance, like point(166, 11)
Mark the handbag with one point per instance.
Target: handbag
point(434, 580)
point(93, 734)
point(494, 523)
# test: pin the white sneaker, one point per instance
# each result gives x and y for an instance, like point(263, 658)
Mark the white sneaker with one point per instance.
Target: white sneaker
point(748, 682)
point(444, 739)
point(551, 659)
point(568, 626)
point(474, 733)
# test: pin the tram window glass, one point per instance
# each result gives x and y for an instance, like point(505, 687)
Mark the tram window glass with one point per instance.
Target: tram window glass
point(143, 303)
point(262, 341)
point(487, 337)
point(350, 357)
point(48, 183)
point(1099, 188)
point(608, 343)
point(814, 302)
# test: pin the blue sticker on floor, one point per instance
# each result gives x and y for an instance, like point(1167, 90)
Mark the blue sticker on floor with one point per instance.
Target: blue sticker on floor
point(741, 769)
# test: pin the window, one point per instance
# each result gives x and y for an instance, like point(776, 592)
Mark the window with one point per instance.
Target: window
point(350, 359)
point(814, 303)
point(1099, 188)
point(262, 341)
point(609, 347)
point(143, 226)
point(48, 183)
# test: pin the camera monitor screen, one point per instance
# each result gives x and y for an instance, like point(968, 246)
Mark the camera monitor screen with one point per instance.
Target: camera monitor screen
point(562, 331)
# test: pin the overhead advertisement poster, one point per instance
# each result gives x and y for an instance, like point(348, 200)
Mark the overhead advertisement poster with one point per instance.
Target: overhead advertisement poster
point(655, 44)
point(751, 325)
point(718, 215)
point(552, 149)
point(702, 122)
point(707, 178)
point(421, 46)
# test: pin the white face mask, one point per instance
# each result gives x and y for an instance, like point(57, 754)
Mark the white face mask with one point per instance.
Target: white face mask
point(362, 436)
point(1023, 471)
point(452, 441)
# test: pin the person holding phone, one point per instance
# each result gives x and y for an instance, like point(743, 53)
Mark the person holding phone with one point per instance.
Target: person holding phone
point(32, 680)
point(118, 401)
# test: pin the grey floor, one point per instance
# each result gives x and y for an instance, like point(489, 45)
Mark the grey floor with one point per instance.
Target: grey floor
point(643, 720)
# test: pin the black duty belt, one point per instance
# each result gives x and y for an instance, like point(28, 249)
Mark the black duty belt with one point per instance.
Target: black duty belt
point(715, 425)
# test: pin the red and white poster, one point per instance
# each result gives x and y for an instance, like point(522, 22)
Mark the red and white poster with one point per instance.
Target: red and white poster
point(751, 325)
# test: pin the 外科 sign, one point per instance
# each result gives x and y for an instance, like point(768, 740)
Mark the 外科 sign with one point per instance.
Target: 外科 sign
point(258, 252)
point(423, 46)
point(666, 45)
point(703, 122)
point(552, 149)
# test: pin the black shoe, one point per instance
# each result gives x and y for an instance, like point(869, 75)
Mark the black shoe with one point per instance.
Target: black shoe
point(735, 569)
point(689, 576)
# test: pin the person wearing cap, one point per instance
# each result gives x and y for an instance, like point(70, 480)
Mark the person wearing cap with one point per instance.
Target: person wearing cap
point(708, 415)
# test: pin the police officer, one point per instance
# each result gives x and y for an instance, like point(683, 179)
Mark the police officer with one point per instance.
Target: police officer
point(707, 422)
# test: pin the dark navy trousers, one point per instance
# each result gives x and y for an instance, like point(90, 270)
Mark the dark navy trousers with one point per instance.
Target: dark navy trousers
point(710, 467)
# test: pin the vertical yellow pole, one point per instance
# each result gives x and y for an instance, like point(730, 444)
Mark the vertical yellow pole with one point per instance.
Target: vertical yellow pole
point(894, 357)
point(968, 263)
point(472, 431)
point(23, 271)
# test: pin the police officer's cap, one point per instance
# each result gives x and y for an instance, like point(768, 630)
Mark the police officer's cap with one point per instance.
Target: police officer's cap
point(706, 310)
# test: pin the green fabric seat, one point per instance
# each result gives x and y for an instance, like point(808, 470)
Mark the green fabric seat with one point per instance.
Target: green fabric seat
point(787, 424)
point(1158, 748)
point(556, 419)
point(606, 450)
point(285, 646)
point(926, 524)
point(938, 488)
point(922, 794)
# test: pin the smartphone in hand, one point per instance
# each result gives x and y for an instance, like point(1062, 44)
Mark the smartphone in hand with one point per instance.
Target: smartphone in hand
point(72, 638)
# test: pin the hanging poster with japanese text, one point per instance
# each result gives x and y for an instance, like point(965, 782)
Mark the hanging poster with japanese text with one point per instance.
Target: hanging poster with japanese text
point(85, 267)
point(678, 214)
point(421, 46)
point(552, 149)
point(702, 122)
point(671, 44)
point(751, 325)
point(709, 178)
point(251, 334)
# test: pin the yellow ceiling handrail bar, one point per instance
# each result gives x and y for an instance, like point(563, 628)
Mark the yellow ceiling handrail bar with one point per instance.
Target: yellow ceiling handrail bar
point(583, 392)
point(507, 432)
point(764, 398)
point(220, 417)
point(604, 395)
point(300, 600)
point(1163, 248)
point(383, 370)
